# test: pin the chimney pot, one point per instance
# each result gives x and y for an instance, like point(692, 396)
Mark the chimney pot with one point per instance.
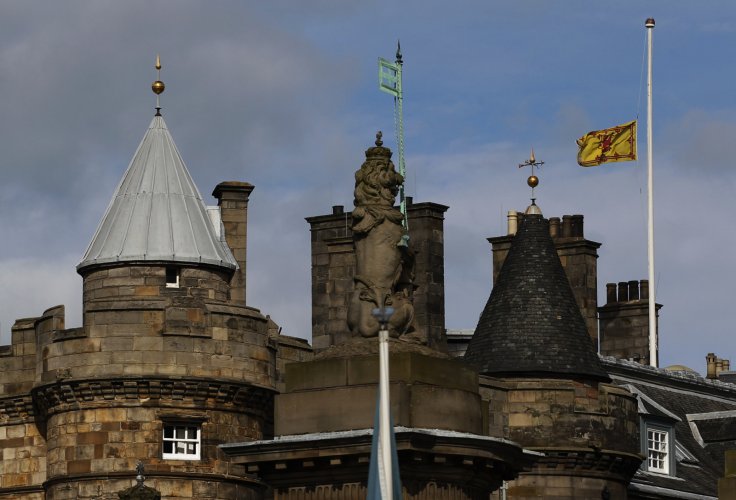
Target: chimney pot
point(611, 293)
point(566, 226)
point(554, 227)
point(513, 222)
point(711, 365)
point(623, 291)
point(577, 226)
point(634, 290)
point(644, 285)
point(409, 201)
point(338, 209)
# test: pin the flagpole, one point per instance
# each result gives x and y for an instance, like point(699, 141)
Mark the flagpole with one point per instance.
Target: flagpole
point(383, 315)
point(653, 355)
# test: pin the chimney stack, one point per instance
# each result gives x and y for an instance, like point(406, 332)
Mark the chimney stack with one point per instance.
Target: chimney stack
point(232, 198)
point(716, 366)
point(624, 321)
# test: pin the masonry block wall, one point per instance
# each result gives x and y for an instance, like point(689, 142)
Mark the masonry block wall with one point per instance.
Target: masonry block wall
point(587, 430)
point(333, 268)
point(579, 258)
point(81, 406)
point(23, 465)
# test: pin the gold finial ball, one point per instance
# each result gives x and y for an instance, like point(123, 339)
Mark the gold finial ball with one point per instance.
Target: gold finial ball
point(158, 87)
point(533, 181)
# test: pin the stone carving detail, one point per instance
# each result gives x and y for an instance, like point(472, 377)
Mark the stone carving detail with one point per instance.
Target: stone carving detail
point(384, 262)
point(140, 491)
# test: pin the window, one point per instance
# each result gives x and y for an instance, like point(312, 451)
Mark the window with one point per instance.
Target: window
point(182, 442)
point(172, 277)
point(658, 453)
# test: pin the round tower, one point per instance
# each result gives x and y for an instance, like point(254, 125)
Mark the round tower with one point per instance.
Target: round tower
point(545, 382)
point(167, 365)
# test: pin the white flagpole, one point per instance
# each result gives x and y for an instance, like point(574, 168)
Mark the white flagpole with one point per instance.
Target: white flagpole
point(653, 357)
point(383, 315)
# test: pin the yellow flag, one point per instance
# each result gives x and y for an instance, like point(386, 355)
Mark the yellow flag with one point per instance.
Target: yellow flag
point(607, 145)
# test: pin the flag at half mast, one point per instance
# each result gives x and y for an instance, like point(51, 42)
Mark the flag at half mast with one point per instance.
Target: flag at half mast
point(608, 145)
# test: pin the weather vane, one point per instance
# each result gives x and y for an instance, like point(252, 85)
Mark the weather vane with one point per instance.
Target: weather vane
point(158, 86)
point(532, 180)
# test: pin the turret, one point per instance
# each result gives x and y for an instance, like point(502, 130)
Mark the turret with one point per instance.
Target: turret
point(170, 362)
point(542, 377)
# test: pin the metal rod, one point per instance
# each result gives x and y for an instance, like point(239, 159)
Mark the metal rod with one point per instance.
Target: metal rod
point(385, 437)
point(653, 355)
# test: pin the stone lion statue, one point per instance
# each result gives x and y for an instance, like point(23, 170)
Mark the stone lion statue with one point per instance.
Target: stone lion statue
point(384, 261)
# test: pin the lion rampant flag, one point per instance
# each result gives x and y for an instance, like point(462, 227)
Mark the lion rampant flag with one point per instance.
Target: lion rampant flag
point(607, 145)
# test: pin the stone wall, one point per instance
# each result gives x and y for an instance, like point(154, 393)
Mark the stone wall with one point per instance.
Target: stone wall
point(87, 445)
point(23, 466)
point(81, 406)
point(587, 431)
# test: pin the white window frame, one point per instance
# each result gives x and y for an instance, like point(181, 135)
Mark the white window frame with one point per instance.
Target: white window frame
point(172, 284)
point(658, 449)
point(183, 440)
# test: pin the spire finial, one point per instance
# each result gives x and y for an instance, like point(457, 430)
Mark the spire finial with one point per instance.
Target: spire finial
point(158, 86)
point(398, 52)
point(379, 135)
point(532, 181)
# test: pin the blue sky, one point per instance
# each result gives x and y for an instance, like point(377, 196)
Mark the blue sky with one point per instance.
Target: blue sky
point(284, 95)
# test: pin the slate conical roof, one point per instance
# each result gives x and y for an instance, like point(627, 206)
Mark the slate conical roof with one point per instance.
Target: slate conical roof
point(157, 213)
point(531, 324)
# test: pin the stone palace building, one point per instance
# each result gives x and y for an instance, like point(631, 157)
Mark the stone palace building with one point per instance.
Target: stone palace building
point(175, 388)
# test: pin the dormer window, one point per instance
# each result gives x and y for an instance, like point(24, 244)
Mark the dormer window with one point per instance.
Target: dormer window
point(172, 277)
point(658, 443)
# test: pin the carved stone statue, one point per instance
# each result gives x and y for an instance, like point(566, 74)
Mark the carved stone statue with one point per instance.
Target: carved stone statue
point(384, 262)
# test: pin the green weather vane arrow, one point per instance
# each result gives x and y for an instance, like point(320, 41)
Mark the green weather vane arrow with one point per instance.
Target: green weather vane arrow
point(389, 81)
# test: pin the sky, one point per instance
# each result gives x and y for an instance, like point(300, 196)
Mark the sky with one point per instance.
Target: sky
point(284, 95)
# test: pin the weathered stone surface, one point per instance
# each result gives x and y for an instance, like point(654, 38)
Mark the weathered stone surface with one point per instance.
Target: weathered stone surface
point(340, 394)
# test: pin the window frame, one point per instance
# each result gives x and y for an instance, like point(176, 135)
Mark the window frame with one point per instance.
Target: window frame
point(175, 271)
point(186, 426)
point(668, 453)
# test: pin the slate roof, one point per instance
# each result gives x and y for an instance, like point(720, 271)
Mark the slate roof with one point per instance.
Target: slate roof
point(531, 324)
point(157, 213)
point(706, 425)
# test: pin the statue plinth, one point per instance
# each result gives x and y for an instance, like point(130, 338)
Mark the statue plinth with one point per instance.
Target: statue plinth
point(339, 393)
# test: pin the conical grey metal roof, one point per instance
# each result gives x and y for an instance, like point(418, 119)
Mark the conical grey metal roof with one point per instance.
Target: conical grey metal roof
point(531, 325)
point(157, 213)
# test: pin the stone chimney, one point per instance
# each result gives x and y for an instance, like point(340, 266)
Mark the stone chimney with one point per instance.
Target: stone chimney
point(624, 321)
point(716, 366)
point(232, 198)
